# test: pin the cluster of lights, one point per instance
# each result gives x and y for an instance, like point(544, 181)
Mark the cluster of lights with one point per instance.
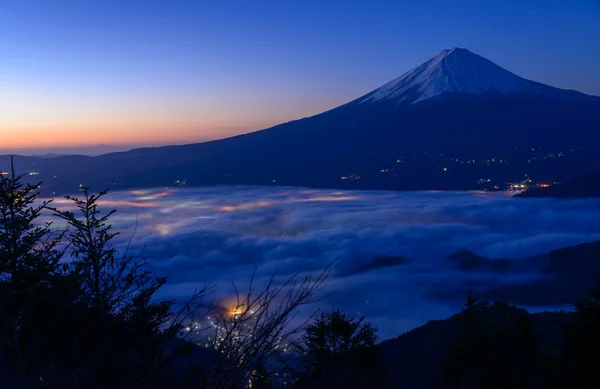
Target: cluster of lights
point(234, 332)
point(519, 186)
point(419, 159)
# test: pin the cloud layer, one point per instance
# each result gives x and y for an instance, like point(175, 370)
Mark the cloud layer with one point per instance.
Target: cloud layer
point(390, 248)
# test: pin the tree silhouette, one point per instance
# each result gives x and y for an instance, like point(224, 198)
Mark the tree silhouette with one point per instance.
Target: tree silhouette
point(30, 279)
point(93, 321)
point(116, 292)
point(90, 322)
point(251, 338)
point(340, 353)
point(496, 348)
point(580, 358)
point(27, 249)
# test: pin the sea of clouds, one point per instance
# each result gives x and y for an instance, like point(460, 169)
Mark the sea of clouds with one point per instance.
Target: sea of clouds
point(222, 235)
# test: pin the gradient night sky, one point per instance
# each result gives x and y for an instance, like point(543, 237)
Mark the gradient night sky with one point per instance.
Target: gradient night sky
point(135, 72)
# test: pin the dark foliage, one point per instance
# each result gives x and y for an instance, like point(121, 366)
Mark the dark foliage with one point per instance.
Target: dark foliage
point(438, 353)
point(251, 337)
point(30, 282)
point(340, 353)
point(580, 358)
point(496, 348)
point(27, 251)
point(88, 323)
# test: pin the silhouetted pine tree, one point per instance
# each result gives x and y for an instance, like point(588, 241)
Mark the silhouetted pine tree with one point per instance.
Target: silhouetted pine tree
point(30, 281)
point(134, 333)
point(340, 353)
point(27, 249)
point(464, 362)
point(92, 322)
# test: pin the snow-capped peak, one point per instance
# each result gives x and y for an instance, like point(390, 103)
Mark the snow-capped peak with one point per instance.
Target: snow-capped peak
point(451, 70)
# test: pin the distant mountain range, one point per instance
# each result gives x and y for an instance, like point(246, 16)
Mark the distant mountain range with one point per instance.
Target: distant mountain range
point(450, 121)
point(48, 155)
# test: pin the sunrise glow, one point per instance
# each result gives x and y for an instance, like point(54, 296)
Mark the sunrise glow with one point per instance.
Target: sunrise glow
point(134, 74)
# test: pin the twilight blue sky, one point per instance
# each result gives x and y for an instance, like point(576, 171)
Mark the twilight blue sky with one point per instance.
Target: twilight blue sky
point(79, 73)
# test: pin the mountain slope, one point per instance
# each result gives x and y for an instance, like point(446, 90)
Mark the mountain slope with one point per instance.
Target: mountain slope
point(416, 357)
point(456, 104)
point(582, 187)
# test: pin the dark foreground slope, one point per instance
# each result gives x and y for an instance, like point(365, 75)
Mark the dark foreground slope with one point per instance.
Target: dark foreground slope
point(418, 358)
point(424, 357)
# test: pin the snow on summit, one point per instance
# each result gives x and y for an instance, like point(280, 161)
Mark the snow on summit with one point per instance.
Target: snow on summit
point(452, 70)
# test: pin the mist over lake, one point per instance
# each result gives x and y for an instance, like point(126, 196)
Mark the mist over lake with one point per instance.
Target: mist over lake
point(390, 249)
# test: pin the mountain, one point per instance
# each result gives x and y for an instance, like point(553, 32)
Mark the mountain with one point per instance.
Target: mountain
point(416, 358)
point(459, 71)
point(49, 155)
point(453, 120)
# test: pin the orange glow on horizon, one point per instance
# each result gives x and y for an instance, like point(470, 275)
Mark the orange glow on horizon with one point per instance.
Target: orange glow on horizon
point(29, 122)
point(89, 135)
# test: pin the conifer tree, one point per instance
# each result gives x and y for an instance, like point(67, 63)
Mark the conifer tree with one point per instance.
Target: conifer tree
point(340, 353)
point(27, 247)
point(118, 293)
point(29, 278)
